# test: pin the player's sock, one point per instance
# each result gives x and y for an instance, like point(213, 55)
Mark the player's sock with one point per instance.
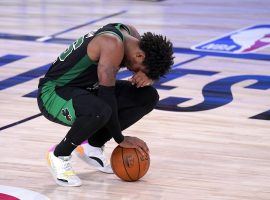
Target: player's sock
point(64, 148)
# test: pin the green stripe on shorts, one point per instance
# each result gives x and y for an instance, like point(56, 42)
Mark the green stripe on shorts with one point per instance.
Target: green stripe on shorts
point(58, 107)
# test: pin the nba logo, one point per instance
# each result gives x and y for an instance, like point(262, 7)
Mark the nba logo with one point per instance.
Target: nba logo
point(245, 40)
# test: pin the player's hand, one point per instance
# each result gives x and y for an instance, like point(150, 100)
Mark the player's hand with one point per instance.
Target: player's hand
point(134, 142)
point(140, 80)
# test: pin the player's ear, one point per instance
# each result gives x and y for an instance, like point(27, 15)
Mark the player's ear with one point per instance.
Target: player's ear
point(140, 56)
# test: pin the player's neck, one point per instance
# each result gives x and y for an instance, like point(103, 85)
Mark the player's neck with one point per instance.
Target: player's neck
point(130, 44)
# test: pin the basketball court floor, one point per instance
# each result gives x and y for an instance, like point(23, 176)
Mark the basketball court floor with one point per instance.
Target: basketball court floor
point(209, 136)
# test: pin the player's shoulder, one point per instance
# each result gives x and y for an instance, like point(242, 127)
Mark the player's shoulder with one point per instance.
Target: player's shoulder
point(110, 37)
point(111, 41)
point(105, 44)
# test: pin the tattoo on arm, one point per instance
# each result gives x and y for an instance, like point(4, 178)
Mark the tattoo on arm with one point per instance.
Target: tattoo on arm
point(106, 75)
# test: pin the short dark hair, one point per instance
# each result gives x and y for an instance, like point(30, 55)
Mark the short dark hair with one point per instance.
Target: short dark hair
point(158, 54)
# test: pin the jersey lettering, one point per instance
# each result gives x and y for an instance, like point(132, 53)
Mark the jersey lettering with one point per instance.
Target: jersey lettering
point(75, 45)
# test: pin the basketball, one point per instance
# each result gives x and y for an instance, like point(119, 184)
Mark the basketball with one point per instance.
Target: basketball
point(128, 164)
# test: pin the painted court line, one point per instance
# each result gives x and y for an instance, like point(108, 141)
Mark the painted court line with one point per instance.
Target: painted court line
point(46, 38)
point(20, 121)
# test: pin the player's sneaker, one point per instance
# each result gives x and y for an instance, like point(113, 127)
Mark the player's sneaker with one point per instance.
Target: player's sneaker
point(61, 170)
point(94, 156)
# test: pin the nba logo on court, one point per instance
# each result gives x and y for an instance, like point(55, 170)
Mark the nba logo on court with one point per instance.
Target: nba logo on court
point(245, 40)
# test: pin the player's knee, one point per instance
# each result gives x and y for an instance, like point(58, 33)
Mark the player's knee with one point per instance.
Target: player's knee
point(98, 113)
point(104, 113)
point(151, 98)
point(101, 113)
point(154, 95)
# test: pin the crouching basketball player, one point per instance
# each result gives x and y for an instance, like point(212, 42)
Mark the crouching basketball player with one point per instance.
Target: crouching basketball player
point(80, 90)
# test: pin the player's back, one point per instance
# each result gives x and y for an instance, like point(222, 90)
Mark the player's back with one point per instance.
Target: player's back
point(74, 67)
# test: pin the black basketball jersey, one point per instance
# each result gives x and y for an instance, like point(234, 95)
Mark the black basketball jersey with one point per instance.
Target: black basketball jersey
point(74, 67)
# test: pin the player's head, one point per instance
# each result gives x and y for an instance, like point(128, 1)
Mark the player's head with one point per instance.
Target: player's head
point(158, 54)
point(154, 56)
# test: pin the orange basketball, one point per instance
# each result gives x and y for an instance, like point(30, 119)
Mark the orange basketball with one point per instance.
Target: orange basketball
point(128, 164)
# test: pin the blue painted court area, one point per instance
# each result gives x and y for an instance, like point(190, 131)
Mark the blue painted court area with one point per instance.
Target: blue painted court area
point(23, 77)
point(10, 58)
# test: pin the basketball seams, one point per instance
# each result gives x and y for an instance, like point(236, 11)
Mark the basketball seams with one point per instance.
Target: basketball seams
point(139, 164)
point(125, 165)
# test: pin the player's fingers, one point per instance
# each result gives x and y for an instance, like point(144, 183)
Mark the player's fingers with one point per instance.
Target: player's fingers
point(145, 83)
point(141, 151)
point(149, 83)
point(132, 80)
point(140, 82)
point(146, 147)
point(137, 79)
point(143, 145)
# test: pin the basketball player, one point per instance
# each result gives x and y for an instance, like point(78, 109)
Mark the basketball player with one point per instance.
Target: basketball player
point(80, 90)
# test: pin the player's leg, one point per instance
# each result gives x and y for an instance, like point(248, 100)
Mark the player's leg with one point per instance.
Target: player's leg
point(133, 104)
point(85, 113)
point(90, 115)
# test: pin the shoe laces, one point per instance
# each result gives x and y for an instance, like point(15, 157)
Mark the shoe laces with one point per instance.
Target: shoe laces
point(66, 163)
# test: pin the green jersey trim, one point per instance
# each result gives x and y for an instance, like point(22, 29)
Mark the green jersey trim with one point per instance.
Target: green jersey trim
point(111, 32)
point(119, 26)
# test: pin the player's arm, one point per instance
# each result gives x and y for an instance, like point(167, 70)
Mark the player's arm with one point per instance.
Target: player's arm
point(111, 53)
point(140, 79)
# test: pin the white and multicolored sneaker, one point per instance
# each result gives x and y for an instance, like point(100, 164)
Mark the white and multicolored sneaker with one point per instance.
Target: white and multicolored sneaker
point(61, 170)
point(94, 156)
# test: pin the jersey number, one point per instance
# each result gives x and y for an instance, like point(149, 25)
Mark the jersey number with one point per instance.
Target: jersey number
point(75, 45)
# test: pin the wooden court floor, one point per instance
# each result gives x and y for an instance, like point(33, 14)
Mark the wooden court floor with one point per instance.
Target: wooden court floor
point(209, 136)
